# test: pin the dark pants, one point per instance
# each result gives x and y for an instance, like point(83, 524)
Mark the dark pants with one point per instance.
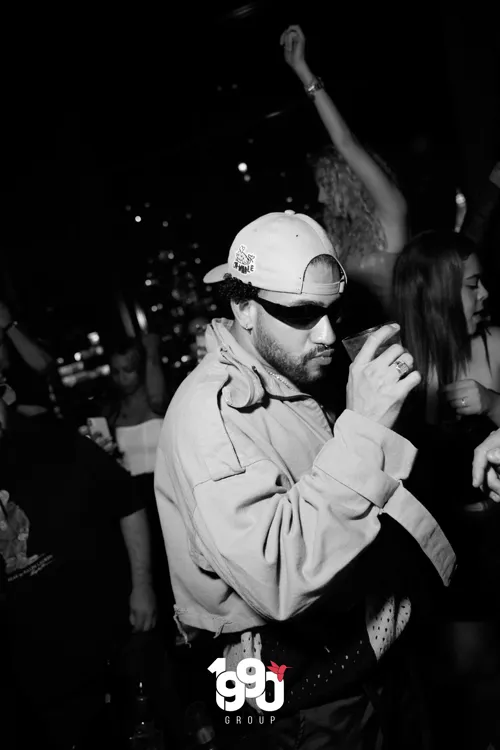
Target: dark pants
point(348, 724)
point(380, 719)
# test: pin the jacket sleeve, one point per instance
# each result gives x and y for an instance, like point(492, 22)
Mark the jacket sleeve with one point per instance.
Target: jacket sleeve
point(279, 545)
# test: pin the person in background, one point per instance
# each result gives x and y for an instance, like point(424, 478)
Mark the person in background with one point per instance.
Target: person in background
point(135, 416)
point(196, 330)
point(275, 522)
point(75, 545)
point(482, 225)
point(137, 405)
point(364, 211)
point(26, 365)
point(440, 302)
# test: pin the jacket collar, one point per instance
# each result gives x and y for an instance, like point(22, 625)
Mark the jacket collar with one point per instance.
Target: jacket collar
point(248, 379)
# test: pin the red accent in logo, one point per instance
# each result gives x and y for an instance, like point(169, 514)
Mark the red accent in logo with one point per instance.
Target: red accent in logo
point(279, 671)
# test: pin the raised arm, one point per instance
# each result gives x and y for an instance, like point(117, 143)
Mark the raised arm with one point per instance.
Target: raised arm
point(389, 202)
point(31, 352)
point(155, 380)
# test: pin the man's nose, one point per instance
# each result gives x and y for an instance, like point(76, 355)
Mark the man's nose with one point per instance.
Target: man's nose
point(323, 332)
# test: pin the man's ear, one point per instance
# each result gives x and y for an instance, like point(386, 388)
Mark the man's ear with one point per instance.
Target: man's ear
point(245, 313)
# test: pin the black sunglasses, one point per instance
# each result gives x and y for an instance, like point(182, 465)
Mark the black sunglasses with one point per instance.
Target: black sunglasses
point(302, 316)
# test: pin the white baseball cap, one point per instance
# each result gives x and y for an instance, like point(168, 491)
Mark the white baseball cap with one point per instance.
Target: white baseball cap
point(273, 253)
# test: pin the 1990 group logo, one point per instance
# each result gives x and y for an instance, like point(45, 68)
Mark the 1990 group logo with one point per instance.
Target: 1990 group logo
point(248, 681)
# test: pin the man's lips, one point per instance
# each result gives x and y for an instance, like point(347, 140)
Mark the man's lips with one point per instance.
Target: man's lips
point(327, 354)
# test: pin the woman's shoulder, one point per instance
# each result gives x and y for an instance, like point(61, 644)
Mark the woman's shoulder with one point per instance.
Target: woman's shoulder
point(493, 333)
point(491, 340)
point(484, 365)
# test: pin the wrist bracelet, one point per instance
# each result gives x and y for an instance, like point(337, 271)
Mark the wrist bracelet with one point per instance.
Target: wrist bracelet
point(12, 324)
point(313, 87)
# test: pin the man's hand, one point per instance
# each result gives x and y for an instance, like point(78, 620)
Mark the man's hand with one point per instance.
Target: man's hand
point(469, 397)
point(486, 466)
point(375, 388)
point(294, 43)
point(5, 315)
point(142, 607)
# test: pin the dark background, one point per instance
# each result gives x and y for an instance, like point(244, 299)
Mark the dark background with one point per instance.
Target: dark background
point(104, 111)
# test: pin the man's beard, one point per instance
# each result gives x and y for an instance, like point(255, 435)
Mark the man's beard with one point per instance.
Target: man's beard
point(294, 368)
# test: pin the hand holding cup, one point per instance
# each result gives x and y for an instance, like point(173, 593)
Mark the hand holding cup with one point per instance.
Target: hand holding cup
point(378, 385)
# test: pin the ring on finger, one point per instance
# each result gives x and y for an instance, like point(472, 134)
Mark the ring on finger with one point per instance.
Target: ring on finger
point(463, 401)
point(402, 368)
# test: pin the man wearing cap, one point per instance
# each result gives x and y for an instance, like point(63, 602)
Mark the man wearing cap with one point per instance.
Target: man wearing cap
point(277, 525)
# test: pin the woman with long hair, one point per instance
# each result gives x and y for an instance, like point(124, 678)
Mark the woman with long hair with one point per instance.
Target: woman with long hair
point(440, 301)
point(364, 211)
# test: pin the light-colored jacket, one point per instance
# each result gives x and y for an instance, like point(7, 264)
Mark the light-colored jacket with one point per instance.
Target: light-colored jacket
point(260, 505)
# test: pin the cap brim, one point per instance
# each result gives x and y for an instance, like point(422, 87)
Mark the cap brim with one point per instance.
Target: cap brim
point(216, 274)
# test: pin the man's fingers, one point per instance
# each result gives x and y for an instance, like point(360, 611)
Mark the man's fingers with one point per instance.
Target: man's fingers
point(484, 455)
point(407, 384)
point(393, 371)
point(493, 456)
point(493, 481)
point(393, 356)
point(373, 342)
point(479, 465)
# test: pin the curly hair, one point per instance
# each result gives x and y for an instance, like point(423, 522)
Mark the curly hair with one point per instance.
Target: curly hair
point(234, 290)
point(349, 217)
